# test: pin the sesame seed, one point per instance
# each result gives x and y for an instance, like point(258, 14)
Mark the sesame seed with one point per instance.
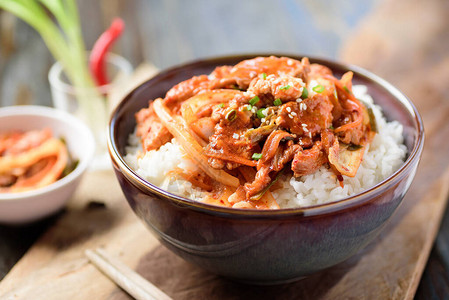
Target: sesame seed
point(289, 109)
point(249, 94)
point(293, 114)
point(310, 134)
point(290, 116)
point(235, 136)
point(313, 83)
point(262, 120)
point(299, 100)
point(305, 129)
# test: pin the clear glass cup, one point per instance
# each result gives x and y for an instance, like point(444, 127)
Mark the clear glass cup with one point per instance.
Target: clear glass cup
point(93, 106)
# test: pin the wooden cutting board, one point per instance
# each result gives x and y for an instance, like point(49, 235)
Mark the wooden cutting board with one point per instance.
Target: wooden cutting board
point(389, 268)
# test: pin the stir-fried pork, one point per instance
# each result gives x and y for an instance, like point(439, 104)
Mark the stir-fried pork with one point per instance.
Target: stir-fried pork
point(288, 114)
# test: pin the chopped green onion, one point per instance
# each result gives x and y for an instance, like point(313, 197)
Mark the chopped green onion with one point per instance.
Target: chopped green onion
point(248, 107)
point(256, 156)
point(346, 89)
point(285, 87)
point(72, 163)
point(231, 115)
point(221, 105)
point(331, 127)
point(318, 88)
point(277, 102)
point(254, 100)
point(264, 75)
point(305, 93)
point(372, 120)
point(260, 113)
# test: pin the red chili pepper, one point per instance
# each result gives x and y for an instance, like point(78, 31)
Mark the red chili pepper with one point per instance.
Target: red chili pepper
point(97, 56)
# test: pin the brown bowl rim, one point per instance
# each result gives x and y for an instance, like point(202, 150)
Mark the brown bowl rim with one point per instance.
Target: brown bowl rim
point(308, 211)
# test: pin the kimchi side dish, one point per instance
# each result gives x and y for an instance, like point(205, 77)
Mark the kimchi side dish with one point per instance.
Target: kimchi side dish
point(31, 160)
point(267, 133)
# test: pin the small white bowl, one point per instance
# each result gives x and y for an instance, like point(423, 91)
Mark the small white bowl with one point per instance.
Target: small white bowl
point(25, 207)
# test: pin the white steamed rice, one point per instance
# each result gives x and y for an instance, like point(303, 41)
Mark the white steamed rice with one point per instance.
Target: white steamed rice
point(383, 157)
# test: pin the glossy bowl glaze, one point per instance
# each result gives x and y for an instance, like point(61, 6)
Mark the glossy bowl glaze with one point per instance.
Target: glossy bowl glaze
point(264, 247)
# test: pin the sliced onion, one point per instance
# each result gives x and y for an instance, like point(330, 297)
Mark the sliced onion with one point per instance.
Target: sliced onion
point(190, 145)
point(346, 161)
point(193, 104)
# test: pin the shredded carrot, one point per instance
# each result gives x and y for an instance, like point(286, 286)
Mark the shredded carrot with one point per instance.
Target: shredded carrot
point(354, 124)
point(271, 145)
point(267, 200)
point(354, 103)
point(232, 158)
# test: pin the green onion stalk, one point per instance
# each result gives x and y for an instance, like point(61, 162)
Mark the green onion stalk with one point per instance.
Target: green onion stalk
point(63, 38)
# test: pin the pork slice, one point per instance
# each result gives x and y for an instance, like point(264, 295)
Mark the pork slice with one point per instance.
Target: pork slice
point(150, 129)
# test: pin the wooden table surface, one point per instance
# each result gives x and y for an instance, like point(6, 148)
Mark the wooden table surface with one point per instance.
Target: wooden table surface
point(409, 38)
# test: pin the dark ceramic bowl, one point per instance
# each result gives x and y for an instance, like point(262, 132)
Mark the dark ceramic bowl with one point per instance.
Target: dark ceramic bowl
point(264, 247)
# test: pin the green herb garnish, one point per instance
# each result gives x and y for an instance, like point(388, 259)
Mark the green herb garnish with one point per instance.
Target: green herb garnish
point(221, 105)
point(346, 89)
point(277, 102)
point(331, 127)
point(72, 163)
point(264, 76)
point(260, 113)
point(254, 100)
point(231, 115)
point(256, 156)
point(305, 93)
point(285, 87)
point(372, 120)
point(318, 88)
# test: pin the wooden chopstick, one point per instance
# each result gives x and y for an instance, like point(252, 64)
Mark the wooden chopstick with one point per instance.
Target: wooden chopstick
point(127, 279)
